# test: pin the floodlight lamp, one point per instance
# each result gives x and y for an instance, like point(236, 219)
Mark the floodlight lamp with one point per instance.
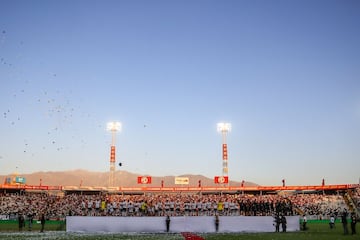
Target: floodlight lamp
point(114, 126)
point(223, 127)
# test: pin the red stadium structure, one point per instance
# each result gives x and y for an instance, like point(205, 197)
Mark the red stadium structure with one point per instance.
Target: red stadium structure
point(113, 127)
point(189, 189)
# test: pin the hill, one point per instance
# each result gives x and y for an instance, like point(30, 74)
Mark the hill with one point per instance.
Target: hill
point(122, 178)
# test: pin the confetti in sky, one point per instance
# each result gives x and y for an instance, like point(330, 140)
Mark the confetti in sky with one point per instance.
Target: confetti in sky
point(285, 74)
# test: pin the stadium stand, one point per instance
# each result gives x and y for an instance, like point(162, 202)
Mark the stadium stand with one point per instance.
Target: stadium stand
point(319, 205)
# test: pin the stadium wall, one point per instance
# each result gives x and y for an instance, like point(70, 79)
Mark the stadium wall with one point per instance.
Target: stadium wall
point(178, 224)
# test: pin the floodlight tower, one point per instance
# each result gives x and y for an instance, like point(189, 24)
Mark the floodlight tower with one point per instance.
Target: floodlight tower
point(224, 128)
point(113, 127)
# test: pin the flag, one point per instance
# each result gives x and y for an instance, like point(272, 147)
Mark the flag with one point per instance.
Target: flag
point(144, 180)
point(221, 179)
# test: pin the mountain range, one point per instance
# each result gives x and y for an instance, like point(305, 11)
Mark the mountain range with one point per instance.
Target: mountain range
point(81, 177)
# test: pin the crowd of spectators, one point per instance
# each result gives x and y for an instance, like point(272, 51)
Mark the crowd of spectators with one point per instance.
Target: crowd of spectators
point(57, 207)
point(322, 206)
point(356, 197)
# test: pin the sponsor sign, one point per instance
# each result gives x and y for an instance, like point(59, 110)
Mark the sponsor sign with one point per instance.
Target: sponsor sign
point(20, 180)
point(221, 179)
point(144, 180)
point(181, 180)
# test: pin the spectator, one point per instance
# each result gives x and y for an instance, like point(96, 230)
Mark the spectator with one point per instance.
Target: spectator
point(353, 223)
point(344, 222)
point(42, 222)
point(56, 207)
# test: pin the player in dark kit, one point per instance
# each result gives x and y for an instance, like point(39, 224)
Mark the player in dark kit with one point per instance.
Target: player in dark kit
point(31, 218)
point(42, 221)
point(167, 221)
point(353, 223)
point(21, 220)
point(283, 223)
point(304, 222)
point(277, 221)
point(344, 222)
point(217, 221)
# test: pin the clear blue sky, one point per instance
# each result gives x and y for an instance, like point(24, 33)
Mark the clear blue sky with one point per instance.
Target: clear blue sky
point(285, 74)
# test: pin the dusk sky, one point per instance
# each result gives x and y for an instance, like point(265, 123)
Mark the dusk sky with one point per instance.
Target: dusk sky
point(285, 74)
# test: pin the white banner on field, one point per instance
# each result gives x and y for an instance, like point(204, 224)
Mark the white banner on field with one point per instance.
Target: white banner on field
point(177, 224)
point(181, 180)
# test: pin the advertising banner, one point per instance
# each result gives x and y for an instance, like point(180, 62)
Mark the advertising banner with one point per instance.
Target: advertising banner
point(202, 224)
point(181, 180)
point(20, 180)
point(221, 179)
point(144, 180)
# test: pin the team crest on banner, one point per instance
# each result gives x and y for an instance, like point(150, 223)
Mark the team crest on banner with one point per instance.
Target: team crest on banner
point(221, 179)
point(144, 180)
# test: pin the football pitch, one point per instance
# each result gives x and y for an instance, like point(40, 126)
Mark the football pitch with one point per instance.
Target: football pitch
point(316, 231)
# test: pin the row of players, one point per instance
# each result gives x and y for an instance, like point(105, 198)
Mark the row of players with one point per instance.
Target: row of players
point(135, 205)
point(139, 208)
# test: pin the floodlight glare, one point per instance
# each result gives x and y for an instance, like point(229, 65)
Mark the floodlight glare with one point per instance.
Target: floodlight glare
point(113, 126)
point(223, 127)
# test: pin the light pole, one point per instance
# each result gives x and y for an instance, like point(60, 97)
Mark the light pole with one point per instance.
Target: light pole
point(224, 128)
point(113, 127)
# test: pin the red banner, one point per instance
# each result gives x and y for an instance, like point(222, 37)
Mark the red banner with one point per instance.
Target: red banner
point(221, 179)
point(144, 180)
point(225, 152)
point(112, 154)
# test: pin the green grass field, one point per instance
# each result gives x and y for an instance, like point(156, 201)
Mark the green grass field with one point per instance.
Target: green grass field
point(56, 230)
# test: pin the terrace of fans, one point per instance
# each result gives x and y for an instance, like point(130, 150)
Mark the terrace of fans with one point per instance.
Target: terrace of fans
point(56, 202)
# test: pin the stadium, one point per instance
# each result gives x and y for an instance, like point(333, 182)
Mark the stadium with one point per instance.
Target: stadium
point(140, 211)
point(284, 73)
point(222, 209)
point(152, 210)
